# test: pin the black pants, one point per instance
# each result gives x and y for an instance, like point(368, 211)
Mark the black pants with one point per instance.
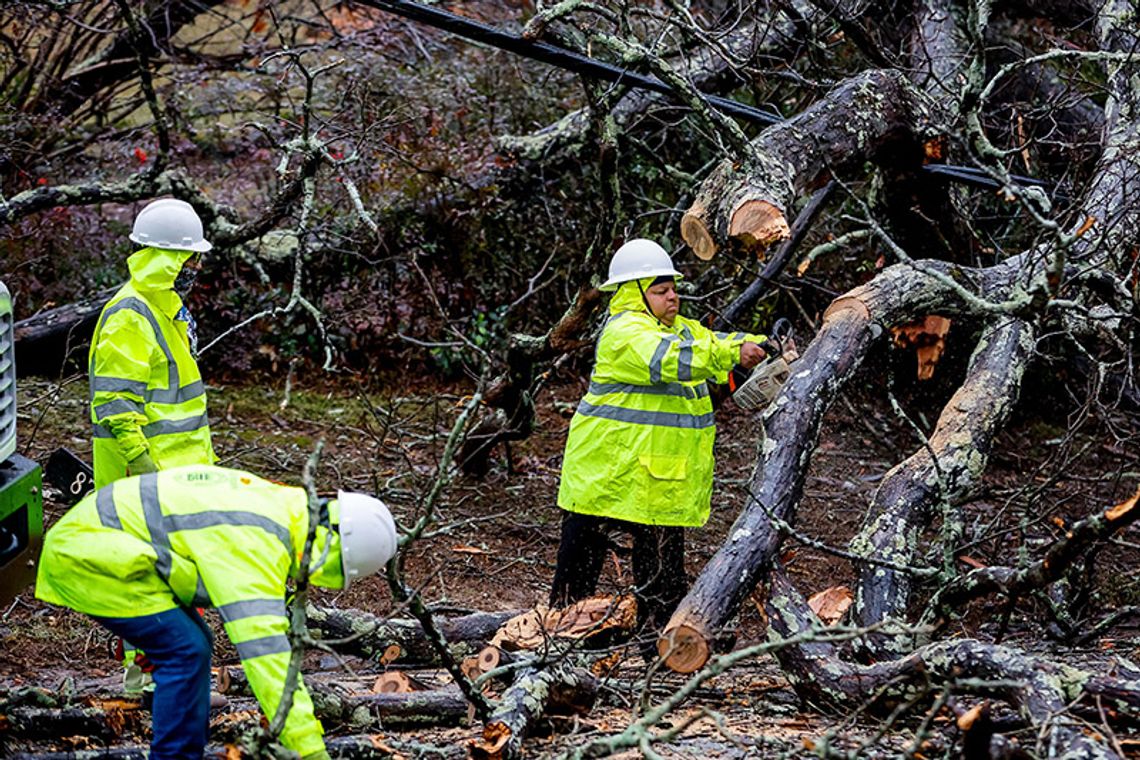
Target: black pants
point(658, 568)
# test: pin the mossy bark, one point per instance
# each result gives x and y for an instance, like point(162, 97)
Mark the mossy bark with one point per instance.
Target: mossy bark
point(364, 635)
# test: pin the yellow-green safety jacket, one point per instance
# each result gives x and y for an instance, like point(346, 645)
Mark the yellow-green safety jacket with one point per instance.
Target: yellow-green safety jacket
point(147, 395)
point(196, 536)
point(641, 442)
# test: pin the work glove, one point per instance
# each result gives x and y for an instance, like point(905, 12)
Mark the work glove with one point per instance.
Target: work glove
point(141, 464)
point(322, 755)
point(130, 656)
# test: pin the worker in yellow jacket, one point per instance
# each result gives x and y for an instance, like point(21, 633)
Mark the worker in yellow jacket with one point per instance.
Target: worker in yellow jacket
point(148, 403)
point(639, 456)
point(140, 554)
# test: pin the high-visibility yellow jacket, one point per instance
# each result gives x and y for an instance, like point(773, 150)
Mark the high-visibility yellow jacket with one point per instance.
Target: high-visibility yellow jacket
point(196, 536)
point(146, 392)
point(641, 442)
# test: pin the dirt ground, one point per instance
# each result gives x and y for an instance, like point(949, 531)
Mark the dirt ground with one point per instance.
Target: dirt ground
point(494, 545)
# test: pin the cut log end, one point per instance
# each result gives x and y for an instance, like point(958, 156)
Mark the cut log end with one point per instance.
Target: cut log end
point(489, 659)
point(756, 225)
point(470, 668)
point(395, 682)
point(696, 233)
point(684, 648)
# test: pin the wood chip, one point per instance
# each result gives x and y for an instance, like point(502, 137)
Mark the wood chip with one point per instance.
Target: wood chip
point(1121, 509)
point(464, 549)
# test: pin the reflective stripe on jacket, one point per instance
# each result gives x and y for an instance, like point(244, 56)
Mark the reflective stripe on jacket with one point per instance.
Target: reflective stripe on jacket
point(640, 446)
point(146, 392)
point(201, 536)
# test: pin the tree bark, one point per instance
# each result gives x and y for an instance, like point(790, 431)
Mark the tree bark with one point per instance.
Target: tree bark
point(352, 703)
point(103, 724)
point(359, 633)
point(558, 689)
point(433, 707)
point(748, 204)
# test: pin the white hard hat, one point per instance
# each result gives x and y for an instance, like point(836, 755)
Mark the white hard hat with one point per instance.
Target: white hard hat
point(367, 535)
point(170, 223)
point(637, 259)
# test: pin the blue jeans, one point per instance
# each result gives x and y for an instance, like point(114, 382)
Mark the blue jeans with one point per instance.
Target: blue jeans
point(179, 643)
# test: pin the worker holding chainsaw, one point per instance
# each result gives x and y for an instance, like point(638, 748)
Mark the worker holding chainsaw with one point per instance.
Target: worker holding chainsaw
point(148, 402)
point(639, 456)
point(141, 554)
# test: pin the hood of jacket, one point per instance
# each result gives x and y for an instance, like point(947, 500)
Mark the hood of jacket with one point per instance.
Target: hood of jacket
point(628, 298)
point(154, 269)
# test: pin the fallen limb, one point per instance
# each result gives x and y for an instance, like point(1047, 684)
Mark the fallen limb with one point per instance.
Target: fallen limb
point(106, 722)
point(940, 474)
point(43, 340)
point(706, 67)
point(1013, 581)
point(748, 204)
point(1041, 690)
point(359, 633)
point(434, 707)
point(340, 701)
point(511, 395)
point(556, 690)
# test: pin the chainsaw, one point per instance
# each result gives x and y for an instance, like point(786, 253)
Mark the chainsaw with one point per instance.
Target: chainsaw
point(757, 390)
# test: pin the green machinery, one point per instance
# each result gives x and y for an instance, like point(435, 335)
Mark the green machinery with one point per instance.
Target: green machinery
point(21, 486)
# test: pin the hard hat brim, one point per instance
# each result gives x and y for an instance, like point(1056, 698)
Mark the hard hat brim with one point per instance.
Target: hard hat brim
point(613, 283)
point(201, 246)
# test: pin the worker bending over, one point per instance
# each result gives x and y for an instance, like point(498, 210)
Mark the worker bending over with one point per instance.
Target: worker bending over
point(140, 554)
point(148, 403)
point(639, 457)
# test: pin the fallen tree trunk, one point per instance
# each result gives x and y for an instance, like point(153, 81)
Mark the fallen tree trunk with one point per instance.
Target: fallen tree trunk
point(364, 635)
point(104, 723)
point(433, 707)
point(1022, 284)
point(557, 690)
point(898, 295)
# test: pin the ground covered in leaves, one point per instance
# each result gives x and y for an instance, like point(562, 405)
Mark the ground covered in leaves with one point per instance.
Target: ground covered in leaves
point(494, 547)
